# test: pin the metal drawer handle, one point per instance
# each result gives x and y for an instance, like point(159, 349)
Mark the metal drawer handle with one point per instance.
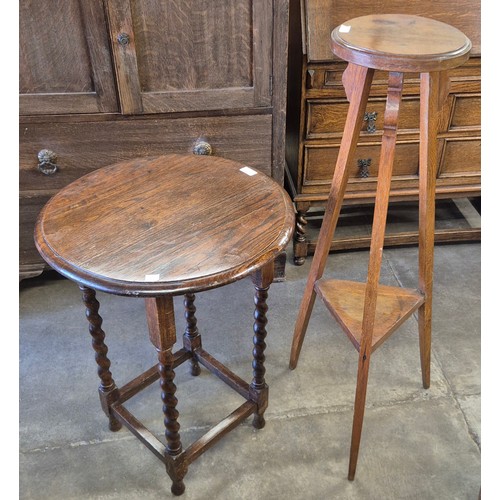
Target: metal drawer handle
point(363, 165)
point(371, 118)
point(202, 148)
point(47, 162)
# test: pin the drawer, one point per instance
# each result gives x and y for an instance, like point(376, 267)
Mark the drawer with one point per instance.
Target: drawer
point(329, 78)
point(29, 207)
point(319, 162)
point(326, 117)
point(86, 145)
point(460, 156)
point(466, 112)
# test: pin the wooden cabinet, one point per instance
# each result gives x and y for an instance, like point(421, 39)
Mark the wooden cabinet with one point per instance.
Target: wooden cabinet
point(106, 80)
point(317, 108)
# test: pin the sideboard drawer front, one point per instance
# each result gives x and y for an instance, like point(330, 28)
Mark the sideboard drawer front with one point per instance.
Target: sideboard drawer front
point(326, 117)
point(328, 77)
point(319, 163)
point(460, 157)
point(466, 112)
point(80, 147)
point(331, 77)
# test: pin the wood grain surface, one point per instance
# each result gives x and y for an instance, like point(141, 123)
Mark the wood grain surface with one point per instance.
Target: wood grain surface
point(165, 225)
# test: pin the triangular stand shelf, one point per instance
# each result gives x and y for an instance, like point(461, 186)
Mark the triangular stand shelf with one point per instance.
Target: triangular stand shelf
point(345, 300)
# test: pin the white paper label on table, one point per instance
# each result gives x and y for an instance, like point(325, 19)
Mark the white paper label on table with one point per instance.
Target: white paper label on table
point(248, 171)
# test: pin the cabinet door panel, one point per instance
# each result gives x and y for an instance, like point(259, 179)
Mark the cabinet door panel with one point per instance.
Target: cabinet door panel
point(189, 55)
point(65, 64)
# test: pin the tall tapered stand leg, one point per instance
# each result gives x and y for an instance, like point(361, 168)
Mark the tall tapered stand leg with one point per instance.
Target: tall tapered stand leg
point(432, 94)
point(395, 89)
point(161, 323)
point(357, 81)
point(108, 392)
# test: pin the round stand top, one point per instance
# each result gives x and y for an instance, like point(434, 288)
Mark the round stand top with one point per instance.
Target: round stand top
point(400, 42)
point(171, 224)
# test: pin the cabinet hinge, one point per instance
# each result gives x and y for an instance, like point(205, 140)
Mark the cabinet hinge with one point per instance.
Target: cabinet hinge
point(270, 85)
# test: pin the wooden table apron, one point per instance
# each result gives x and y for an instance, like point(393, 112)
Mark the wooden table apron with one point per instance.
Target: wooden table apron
point(157, 228)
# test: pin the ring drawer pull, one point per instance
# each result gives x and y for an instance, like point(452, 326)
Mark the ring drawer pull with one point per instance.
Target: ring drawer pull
point(363, 166)
point(202, 148)
point(371, 118)
point(47, 162)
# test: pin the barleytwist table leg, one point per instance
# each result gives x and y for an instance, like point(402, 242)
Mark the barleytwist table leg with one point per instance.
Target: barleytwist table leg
point(168, 389)
point(258, 388)
point(161, 324)
point(192, 339)
point(108, 392)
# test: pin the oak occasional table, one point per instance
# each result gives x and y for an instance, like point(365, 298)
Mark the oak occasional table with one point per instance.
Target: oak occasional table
point(160, 227)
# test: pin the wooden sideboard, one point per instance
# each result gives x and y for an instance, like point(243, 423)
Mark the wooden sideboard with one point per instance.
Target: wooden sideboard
point(103, 81)
point(317, 107)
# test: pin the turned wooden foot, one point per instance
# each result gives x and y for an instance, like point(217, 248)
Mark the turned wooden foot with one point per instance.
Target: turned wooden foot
point(178, 488)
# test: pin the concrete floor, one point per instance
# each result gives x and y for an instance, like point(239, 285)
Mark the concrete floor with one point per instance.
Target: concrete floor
point(416, 443)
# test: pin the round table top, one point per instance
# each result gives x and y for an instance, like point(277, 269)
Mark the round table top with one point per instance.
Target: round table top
point(400, 42)
point(170, 224)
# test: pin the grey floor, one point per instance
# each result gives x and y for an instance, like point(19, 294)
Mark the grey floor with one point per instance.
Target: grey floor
point(416, 443)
